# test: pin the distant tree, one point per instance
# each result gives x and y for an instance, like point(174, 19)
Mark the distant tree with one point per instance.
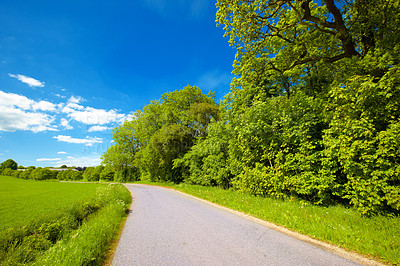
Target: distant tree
point(31, 167)
point(63, 166)
point(25, 174)
point(62, 175)
point(75, 175)
point(41, 174)
point(10, 164)
point(7, 172)
point(16, 173)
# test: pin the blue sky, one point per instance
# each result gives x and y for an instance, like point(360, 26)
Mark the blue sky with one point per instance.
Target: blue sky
point(72, 70)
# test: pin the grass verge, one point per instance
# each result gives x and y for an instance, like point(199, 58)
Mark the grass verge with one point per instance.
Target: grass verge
point(376, 237)
point(79, 234)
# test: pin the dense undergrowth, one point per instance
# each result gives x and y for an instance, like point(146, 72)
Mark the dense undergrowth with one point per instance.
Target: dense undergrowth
point(78, 235)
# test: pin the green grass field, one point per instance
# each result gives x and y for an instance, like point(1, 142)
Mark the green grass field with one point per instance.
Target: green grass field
point(54, 223)
point(376, 237)
point(22, 201)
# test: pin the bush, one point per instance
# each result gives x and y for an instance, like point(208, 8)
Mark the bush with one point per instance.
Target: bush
point(16, 173)
point(74, 175)
point(362, 144)
point(62, 175)
point(107, 174)
point(42, 174)
point(25, 174)
point(7, 172)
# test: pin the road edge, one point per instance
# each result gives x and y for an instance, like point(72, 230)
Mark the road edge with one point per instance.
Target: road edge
point(304, 238)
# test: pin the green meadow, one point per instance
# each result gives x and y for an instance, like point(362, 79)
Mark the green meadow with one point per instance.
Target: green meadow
point(25, 200)
point(55, 223)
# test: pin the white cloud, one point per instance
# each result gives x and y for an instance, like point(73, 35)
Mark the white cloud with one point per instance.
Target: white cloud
point(59, 95)
point(12, 99)
point(62, 152)
point(65, 123)
point(88, 141)
point(28, 80)
point(74, 99)
point(47, 159)
point(17, 112)
point(44, 106)
point(80, 161)
point(97, 128)
point(92, 116)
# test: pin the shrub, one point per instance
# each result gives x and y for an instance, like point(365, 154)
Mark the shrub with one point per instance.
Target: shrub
point(16, 173)
point(42, 174)
point(25, 174)
point(7, 172)
point(107, 174)
point(74, 175)
point(69, 175)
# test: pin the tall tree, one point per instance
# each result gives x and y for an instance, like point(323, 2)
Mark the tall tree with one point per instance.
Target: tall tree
point(10, 163)
point(280, 40)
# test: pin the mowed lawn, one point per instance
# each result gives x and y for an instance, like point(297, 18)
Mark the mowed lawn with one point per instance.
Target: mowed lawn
point(22, 201)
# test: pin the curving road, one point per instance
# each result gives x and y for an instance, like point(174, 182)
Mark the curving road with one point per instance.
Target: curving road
point(169, 228)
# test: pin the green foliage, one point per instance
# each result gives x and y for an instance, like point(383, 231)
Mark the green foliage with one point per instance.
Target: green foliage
point(93, 173)
point(313, 113)
point(7, 172)
point(10, 164)
point(69, 175)
point(25, 174)
point(107, 174)
point(206, 162)
point(42, 174)
point(16, 173)
point(275, 148)
point(362, 142)
point(160, 133)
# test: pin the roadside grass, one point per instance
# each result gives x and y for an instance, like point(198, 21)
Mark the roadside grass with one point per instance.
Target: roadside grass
point(376, 237)
point(77, 230)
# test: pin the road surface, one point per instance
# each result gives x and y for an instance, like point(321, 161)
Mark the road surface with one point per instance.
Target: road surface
point(166, 227)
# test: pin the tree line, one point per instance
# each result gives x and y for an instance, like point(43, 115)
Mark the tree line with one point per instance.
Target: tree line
point(98, 173)
point(313, 111)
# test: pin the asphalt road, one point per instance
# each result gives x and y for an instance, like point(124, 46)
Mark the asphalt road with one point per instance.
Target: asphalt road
point(166, 227)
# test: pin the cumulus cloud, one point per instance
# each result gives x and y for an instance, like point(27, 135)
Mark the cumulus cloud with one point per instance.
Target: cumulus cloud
point(92, 116)
point(47, 159)
point(97, 128)
point(17, 112)
point(88, 141)
point(44, 106)
point(62, 152)
point(28, 80)
point(74, 99)
point(65, 123)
